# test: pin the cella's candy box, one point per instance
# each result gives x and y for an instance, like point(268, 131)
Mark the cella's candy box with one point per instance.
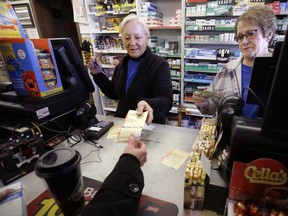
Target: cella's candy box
point(258, 188)
point(31, 66)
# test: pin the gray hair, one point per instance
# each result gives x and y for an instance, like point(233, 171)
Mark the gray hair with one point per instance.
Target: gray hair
point(134, 17)
point(262, 16)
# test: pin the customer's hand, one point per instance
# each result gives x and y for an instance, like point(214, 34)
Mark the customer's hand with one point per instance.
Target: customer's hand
point(143, 106)
point(136, 148)
point(4, 193)
point(199, 101)
point(94, 66)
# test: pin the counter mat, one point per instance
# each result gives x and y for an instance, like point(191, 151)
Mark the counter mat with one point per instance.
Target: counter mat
point(44, 204)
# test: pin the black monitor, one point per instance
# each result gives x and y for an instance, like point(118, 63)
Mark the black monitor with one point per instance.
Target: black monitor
point(74, 75)
point(247, 143)
point(263, 71)
point(276, 115)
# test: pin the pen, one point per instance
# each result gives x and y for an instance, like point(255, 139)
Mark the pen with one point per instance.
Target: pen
point(96, 144)
point(99, 53)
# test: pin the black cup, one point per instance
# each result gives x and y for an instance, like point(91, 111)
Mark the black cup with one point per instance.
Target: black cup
point(60, 169)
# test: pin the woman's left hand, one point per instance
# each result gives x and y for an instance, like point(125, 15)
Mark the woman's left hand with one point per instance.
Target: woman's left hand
point(143, 106)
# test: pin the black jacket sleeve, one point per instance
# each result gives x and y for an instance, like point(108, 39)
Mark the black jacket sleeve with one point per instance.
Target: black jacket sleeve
point(121, 191)
point(105, 85)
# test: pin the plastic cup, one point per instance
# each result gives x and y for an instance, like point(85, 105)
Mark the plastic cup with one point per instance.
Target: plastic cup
point(61, 172)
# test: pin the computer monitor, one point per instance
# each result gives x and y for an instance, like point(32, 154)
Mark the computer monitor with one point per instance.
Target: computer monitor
point(276, 114)
point(74, 75)
point(262, 76)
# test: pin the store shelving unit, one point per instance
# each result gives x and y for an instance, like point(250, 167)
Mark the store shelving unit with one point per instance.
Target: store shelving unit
point(202, 29)
point(204, 36)
point(171, 34)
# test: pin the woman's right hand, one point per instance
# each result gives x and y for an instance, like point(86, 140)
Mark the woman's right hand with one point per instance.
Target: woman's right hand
point(143, 106)
point(200, 102)
point(95, 66)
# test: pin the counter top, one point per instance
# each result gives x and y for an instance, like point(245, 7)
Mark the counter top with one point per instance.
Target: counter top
point(161, 182)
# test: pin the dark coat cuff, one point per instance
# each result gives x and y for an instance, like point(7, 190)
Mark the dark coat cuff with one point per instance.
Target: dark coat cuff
point(126, 177)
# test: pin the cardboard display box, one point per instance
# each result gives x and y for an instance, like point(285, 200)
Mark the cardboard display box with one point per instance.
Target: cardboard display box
point(31, 66)
point(10, 26)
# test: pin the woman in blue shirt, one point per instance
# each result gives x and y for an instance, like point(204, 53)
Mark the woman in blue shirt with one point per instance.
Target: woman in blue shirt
point(254, 31)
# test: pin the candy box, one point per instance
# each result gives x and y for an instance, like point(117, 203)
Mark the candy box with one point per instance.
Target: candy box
point(31, 66)
point(258, 188)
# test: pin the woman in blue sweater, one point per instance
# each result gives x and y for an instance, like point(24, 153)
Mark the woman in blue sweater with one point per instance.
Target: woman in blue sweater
point(142, 80)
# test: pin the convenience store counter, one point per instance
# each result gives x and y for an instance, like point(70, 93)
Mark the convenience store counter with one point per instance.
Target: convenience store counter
point(161, 182)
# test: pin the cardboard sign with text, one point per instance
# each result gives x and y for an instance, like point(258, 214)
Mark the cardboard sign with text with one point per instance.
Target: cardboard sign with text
point(45, 204)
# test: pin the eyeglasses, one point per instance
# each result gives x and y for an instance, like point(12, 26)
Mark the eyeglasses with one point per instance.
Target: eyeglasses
point(249, 34)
